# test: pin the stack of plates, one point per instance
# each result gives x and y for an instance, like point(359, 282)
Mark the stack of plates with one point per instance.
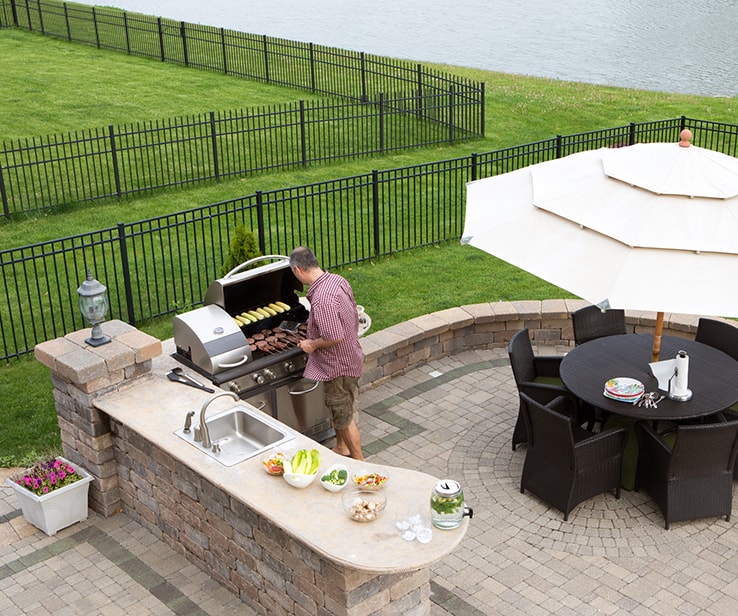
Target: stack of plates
point(624, 389)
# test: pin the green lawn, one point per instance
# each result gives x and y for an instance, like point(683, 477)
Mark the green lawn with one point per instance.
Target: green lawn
point(42, 84)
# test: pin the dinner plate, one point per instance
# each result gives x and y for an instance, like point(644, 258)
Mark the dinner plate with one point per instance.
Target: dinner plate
point(624, 388)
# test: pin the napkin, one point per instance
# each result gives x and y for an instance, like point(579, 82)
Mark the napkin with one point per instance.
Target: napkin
point(663, 371)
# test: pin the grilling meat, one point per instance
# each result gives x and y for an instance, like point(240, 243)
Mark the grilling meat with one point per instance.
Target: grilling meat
point(275, 340)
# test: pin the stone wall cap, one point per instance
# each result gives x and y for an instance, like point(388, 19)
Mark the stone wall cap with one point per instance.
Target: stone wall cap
point(47, 352)
point(80, 366)
point(456, 317)
point(143, 345)
point(554, 309)
point(528, 309)
point(482, 313)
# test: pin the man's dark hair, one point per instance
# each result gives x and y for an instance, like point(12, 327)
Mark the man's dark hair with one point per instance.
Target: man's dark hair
point(303, 258)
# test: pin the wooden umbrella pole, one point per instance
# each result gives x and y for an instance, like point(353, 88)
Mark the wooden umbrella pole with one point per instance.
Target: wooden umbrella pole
point(657, 336)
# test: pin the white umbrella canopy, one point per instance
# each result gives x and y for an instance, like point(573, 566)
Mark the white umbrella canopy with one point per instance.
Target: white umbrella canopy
point(645, 227)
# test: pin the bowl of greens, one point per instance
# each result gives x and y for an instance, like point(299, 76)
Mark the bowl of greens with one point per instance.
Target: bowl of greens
point(335, 478)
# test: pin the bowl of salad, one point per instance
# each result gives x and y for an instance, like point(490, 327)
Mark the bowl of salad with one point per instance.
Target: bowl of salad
point(371, 480)
point(335, 478)
point(273, 462)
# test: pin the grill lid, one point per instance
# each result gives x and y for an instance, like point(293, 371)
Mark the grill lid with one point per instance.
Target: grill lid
point(244, 289)
point(210, 339)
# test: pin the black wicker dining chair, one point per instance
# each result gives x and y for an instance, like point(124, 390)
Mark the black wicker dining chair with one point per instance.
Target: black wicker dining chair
point(724, 337)
point(535, 375)
point(693, 478)
point(718, 334)
point(564, 463)
point(590, 323)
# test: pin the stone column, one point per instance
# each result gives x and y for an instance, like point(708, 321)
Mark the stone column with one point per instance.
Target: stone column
point(80, 373)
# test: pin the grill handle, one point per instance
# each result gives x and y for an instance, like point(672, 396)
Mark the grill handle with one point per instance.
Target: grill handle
point(302, 392)
point(237, 364)
point(246, 264)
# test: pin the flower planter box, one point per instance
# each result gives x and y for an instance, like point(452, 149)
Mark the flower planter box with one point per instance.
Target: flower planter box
point(59, 508)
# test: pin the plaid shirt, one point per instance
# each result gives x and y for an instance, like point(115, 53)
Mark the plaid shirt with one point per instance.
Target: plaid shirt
point(333, 316)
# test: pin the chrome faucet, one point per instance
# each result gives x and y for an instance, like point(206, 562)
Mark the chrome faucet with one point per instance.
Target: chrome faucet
point(204, 433)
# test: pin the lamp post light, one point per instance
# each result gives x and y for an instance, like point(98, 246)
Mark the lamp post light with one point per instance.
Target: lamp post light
point(93, 303)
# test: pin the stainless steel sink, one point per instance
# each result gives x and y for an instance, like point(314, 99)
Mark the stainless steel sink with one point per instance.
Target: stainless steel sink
point(239, 433)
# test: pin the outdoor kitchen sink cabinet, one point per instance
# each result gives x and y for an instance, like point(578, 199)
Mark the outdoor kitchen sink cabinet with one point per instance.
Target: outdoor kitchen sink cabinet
point(277, 546)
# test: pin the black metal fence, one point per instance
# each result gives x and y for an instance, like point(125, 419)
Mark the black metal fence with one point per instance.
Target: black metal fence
point(389, 105)
point(163, 265)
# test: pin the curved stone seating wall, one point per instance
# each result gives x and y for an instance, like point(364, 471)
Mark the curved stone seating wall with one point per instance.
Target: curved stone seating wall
point(412, 343)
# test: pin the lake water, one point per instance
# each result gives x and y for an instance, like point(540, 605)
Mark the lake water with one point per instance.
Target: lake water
point(686, 46)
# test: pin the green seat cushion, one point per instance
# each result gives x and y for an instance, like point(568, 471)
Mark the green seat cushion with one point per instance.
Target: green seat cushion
point(630, 454)
point(549, 380)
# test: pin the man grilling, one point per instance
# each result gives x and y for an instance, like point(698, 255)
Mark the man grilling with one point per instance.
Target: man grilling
point(332, 344)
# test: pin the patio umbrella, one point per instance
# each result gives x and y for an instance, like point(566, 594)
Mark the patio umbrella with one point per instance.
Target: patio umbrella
point(644, 227)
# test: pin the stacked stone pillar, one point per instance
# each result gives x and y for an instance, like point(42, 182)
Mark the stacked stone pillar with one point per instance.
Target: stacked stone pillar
point(81, 373)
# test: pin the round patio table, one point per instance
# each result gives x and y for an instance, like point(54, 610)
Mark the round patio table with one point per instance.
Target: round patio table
point(713, 375)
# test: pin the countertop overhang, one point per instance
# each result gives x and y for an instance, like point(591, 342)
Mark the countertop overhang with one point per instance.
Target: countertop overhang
point(154, 407)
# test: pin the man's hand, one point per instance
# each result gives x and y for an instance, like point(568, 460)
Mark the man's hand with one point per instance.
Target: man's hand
point(309, 345)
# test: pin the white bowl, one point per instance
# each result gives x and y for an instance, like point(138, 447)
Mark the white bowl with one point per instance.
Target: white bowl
point(299, 481)
point(332, 486)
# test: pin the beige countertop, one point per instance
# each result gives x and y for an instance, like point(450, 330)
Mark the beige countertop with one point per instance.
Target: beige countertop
point(155, 408)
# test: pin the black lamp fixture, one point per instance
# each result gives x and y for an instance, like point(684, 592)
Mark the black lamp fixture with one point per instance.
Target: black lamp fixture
point(93, 303)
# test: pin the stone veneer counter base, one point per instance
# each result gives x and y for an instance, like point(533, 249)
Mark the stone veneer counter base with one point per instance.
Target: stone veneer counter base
point(154, 407)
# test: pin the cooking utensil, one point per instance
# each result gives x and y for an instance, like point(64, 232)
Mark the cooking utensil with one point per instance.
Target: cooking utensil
point(178, 376)
point(289, 326)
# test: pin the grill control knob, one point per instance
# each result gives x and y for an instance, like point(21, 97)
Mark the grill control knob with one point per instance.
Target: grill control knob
point(258, 378)
point(235, 387)
point(289, 366)
point(268, 374)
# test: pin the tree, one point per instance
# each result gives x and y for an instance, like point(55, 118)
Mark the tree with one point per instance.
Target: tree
point(243, 247)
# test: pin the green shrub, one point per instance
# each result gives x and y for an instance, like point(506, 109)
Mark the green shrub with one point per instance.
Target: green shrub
point(243, 247)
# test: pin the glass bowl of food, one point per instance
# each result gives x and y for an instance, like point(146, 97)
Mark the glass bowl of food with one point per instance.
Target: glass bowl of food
point(363, 505)
point(371, 480)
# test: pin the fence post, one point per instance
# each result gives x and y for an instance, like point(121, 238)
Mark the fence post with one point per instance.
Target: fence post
point(15, 13)
point(127, 283)
point(128, 36)
point(303, 139)
point(225, 53)
point(419, 102)
point(381, 121)
point(451, 101)
point(481, 108)
point(266, 57)
point(260, 221)
point(474, 163)
point(66, 20)
point(364, 97)
point(214, 141)
point(312, 67)
point(161, 39)
point(375, 210)
point(558, 146)
point(114, 156)
point(40, 17)
point(4, 194)
point(97, 31)
point(183, 34)
point(632, 134)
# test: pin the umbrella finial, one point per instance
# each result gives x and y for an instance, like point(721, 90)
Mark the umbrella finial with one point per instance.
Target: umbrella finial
point(684, 138)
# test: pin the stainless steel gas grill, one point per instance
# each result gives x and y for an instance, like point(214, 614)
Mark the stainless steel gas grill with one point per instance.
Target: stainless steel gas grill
point(236, 341)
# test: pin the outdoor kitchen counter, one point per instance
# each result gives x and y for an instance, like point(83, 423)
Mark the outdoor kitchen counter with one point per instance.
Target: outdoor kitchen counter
point(155, 407)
